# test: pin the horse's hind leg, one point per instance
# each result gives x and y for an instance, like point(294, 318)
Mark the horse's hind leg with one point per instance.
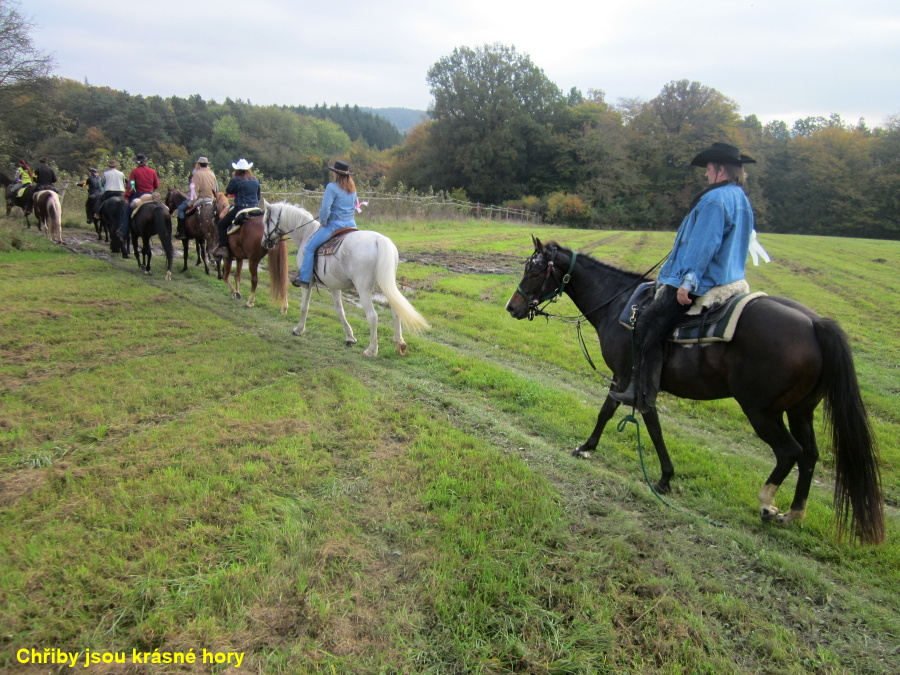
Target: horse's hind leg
point(801, 425)
point(770, 428)
point(365, 299)
point(349, 338)
point(399, 342)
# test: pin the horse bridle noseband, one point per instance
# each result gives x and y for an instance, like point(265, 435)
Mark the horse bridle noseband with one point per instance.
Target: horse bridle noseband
point(278, 231)
point(533, 303)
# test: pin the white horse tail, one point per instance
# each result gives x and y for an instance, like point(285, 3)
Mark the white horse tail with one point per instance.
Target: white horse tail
point(386, 278)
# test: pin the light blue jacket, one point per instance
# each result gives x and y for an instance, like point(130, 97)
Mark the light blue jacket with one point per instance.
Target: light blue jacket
point(337, 206)
point(712, 242)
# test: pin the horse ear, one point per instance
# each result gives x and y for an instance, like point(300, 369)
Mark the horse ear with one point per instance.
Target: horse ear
point(538, 246)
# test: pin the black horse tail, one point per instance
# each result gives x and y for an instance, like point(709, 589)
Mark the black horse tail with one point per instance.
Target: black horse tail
point(858, 500)
point(164, 231)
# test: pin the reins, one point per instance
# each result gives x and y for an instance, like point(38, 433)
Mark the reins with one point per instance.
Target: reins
point(534, 308)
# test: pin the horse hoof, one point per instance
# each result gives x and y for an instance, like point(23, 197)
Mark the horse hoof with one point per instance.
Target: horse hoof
point(294, 331)
point(236, 296)
point(250, 304)
point(349, 343)
point(168, 276)
point(581, 454)
point(402, 349)
point(769, 514)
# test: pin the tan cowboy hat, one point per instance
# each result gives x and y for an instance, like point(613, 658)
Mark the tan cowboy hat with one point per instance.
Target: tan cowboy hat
point(202, 160)
point(112, 164)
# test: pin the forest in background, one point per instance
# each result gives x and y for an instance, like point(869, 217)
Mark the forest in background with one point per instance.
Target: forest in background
point(499, 132)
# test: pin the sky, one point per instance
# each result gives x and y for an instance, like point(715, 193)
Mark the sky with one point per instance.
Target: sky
point(776, 59)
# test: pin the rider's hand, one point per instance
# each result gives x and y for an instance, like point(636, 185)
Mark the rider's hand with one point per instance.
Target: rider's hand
point(684, 297)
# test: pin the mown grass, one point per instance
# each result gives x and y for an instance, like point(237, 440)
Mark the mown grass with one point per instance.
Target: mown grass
point(179, 472)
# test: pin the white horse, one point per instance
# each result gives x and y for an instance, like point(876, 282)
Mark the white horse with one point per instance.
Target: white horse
point(48, 211)
point(364, 260)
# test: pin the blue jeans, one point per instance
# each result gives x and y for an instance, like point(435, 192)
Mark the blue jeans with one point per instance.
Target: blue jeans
point(320, 237)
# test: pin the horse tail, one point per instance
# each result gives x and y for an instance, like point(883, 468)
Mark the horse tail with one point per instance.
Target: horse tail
point(278, 274)
point(857, 487)
point(54, 217)
point(386, 278)
point(160, 213)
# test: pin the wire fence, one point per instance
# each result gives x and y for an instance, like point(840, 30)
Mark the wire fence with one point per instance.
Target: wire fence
point(386, 206)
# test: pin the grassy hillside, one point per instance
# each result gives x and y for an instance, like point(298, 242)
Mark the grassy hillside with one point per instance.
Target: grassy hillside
point(180, 475)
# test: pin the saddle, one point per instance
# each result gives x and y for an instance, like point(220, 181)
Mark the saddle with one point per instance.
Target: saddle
point(144, 199)
point(333, 245)
point(196, 206)
point(714, 317)
point(243, 216)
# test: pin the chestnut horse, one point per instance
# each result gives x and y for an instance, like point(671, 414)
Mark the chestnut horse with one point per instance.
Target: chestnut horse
point(247, 244)
point(784, 360)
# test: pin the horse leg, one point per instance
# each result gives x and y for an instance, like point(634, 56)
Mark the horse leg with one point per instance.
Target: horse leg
point(254, 278)
point(399, 343)
point(300, 328)
point(770, 428)
point(349, 338)
point(801, 426)
point(607, 410)
point(365, 299)
point(239, 267)
point(654, 429)
point(186, 244)
point(147, 253)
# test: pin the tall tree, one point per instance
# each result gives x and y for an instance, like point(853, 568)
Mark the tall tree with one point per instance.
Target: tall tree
point(493, 111)
point(24, 73)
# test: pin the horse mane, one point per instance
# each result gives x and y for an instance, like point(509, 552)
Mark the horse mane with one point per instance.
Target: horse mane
point(294, 216)
point(601, 268)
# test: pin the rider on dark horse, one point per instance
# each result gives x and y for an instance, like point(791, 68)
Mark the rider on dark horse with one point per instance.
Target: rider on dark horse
point(710, 250)
point(203, 185)
point(142, 180)
point(95, 188)
point(21, 179)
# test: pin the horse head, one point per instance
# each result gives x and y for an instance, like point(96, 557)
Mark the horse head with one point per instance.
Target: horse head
point(539, 282)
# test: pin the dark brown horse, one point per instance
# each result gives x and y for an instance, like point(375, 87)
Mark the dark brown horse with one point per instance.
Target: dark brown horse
point(152, 219)
point(110, 216)
point(199, 226)
point(784, 359)
point(246, 244)
point(16, 195)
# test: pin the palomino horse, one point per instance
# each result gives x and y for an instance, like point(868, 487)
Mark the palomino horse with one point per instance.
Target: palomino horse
point(16, 195)
point(364, 260)
point(200, 225)
point(247, 244)
point(48, 211)
point(784, 359)
point(151, 219)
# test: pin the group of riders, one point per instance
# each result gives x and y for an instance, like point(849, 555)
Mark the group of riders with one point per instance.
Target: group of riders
point(710, 248)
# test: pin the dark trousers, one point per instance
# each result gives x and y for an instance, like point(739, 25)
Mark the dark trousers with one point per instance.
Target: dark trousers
point(654, 325)
point(224, 224)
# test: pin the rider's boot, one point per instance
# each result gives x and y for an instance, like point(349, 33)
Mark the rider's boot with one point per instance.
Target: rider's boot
point(179, 232)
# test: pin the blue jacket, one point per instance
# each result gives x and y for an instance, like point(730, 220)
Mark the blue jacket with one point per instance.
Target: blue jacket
point(246, 193)
point(712, 242)
point(337, 205)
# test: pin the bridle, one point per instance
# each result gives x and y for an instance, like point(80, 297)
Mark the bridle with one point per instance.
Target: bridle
point(534, 308)
point(271, 236)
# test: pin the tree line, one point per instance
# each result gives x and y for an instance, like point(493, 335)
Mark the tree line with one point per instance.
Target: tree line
point(504, 133)
point(500, 132)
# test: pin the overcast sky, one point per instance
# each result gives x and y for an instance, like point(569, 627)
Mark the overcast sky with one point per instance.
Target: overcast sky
point(777, 59)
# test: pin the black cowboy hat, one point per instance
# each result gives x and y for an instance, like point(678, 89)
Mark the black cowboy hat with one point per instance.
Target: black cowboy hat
point(721, 153)
point(341, 167)
point(140, 157)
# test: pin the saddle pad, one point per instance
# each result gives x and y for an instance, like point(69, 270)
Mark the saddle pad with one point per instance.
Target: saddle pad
point(716, 324)
point(243, 216)
point(197, 205)
point(331, 246)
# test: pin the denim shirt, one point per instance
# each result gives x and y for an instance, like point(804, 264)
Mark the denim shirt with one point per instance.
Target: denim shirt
point(712, 242)
point(337, 205)
point(246, 192)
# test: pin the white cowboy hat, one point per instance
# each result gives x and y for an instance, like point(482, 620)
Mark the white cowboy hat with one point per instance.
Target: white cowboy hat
point(242, 165)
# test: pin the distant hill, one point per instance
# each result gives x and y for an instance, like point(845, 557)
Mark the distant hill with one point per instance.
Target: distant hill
point(402, 118)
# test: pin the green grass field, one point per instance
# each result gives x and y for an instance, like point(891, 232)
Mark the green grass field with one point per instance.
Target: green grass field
point(181, 478)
